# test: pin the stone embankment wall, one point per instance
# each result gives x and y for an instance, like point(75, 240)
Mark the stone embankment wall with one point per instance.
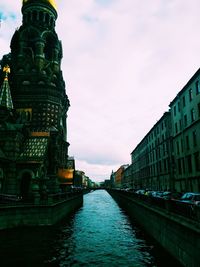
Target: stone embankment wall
point(178, 234)
point(38, 215)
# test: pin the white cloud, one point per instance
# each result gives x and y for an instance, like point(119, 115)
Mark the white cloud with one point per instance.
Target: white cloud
point(123, 63)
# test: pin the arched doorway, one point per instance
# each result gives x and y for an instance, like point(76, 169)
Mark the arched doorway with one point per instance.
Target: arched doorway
point(25, 186)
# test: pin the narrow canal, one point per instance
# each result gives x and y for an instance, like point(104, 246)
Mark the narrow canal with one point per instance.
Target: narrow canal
point(98, 234)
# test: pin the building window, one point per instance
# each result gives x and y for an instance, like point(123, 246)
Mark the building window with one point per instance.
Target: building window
point(192, 115)
point(197, 161)
point(180, 124)
point(160, 166)
point(176, 127)
point(194, 134)
point(190, 94)
point(189, 163)
point(164, 151)
point(177, 148)
point(174, 110)
point(165, 165)
point(199, 109)
point(159, 152)
point(181, 145)
point(179, 166)
point(187, 142)
point(183, 101)
point(197, 87)
point(185, 120)
point(179, 106)
point(183, 164)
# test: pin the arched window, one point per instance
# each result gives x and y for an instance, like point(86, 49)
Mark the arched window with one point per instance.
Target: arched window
point(29, 16)
point(51, 21)
point(34, 17)
point(41, 16)
point(50, 44)
point(47, 18)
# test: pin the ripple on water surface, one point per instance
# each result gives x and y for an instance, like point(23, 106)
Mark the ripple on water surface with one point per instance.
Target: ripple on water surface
point(98, 234)
point(103, 236)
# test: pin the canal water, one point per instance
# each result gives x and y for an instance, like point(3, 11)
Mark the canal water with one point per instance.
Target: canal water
point(99, 234)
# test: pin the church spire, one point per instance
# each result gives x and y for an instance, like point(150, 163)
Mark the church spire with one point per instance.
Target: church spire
point(5, 95)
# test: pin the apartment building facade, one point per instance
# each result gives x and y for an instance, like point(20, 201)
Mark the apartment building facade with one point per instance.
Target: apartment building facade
point(168, 157)
point(185, 116)
point(151, 161)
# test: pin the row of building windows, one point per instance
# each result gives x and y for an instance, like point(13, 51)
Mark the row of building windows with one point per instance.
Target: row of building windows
point(190, 97)
point(157, 130)
point(161, 151)
point(157, 142)
point(142, 173)
point(147, 158)
point(185, 165)
point(188, 143)
point(161, 167)
point(189, 164)
point(154, 150)
point(172, 153)
point(41, 16)
point(179, 125)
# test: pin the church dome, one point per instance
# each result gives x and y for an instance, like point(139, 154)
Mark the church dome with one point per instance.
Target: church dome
point(51, 2)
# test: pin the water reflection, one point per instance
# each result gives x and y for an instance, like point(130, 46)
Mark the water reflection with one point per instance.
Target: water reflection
point(98, 234)
point(102, 236)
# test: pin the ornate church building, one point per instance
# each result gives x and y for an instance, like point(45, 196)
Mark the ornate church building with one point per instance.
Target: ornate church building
point(33, 107)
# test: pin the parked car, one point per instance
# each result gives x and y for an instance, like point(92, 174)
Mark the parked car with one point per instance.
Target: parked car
point(148, 193)
point(140, 191)
point(157, 194)
point(130, 190)
point(191, 198)
point(172, 195)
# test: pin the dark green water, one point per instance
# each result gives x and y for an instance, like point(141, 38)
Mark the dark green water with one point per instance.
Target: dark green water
point(98, 234)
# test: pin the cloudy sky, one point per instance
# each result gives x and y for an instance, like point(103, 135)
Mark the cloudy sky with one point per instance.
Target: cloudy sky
point(124, 61)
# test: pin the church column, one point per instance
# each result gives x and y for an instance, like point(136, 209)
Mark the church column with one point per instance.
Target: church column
point(55, 59)
point(39, 57)
point(21, 49)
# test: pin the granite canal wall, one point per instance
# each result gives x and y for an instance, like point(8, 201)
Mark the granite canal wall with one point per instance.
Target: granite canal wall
point(23, 214)
point(176, 226)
